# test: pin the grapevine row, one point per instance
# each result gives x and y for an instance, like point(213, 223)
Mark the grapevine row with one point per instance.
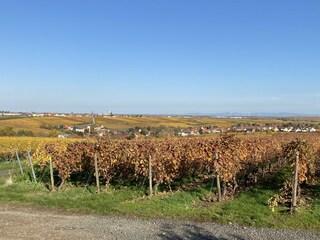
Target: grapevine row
point(237, 161)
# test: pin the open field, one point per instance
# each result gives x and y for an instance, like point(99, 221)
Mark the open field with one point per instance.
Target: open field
point(182, 122)
point(33, 123)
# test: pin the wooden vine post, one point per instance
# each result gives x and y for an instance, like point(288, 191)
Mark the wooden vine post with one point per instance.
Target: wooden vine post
point(255, 160)
point(31, 165)
point(218, 180)
point(150, 176)
point(295, 183)
point(97, 173)
point(51, 175)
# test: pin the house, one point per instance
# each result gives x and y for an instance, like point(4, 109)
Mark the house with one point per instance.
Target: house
point(189, 131)
point(251, 129)
point(215, 131)
point(70, 128)
point(37, 115)
point(284, 130)
point(80, 130)
point(194, 132)
point(101, 128)
point(240, 129)
point(83, 130)
point(183, 134)
point(10, 114)
point(63, 135)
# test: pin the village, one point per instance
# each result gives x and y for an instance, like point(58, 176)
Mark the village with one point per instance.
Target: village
point(90, 127)
point(162, 131)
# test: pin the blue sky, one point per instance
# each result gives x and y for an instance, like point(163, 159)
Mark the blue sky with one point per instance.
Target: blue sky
point(160, 56)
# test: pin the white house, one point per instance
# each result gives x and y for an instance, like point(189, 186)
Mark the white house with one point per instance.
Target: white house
point(80, 130)
point(63, 135)
point(312, 130)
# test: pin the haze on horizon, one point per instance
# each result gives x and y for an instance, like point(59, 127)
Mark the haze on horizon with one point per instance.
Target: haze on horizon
point(155, 57)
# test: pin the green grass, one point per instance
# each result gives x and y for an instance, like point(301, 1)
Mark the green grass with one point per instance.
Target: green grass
point(249, 208)
point(7, 165)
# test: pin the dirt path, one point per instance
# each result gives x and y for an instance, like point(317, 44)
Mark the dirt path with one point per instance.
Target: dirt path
point(35, 223)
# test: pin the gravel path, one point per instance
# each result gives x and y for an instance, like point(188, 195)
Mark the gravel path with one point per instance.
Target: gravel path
point(33, 223)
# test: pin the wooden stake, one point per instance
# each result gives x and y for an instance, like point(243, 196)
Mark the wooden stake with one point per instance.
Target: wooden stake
point(295, 183)
point(218, 180)
point(19, 162)
point(235, 185)
point(51, 175)
point(97, 173)
point(219, 188)
point(31, 165)
point(224, 189)
point(150, 176)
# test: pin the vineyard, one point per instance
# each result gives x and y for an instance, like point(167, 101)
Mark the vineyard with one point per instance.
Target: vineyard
point(230, 163)
point(9, 145)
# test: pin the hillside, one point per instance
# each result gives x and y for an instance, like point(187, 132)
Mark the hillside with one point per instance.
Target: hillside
point(125, 122)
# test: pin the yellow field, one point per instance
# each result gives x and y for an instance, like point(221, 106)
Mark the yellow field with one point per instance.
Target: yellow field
point(34, 123)
point(183, 122)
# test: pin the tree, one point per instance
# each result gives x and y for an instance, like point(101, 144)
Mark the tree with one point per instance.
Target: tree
point(53, 133)
point(131, 136)
point(26, 133)
point(7, 131)
point(144, 131)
